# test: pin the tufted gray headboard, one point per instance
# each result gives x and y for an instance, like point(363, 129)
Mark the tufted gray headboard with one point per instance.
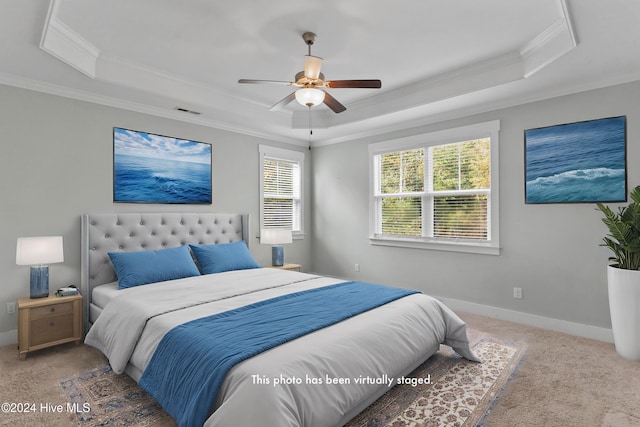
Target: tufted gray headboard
point(128, 232)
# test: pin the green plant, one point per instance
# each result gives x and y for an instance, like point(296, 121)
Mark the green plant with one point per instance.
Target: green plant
point(624, 232)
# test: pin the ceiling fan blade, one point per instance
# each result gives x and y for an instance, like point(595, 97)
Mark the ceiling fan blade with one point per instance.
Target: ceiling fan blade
point(283, 102)
point(269, 82)
point(312, 65)
point(333, 103)
point(365, 84)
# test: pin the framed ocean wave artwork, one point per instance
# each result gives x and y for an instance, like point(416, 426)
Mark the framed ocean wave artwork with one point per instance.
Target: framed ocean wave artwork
point(582, 162)
point(150, 168)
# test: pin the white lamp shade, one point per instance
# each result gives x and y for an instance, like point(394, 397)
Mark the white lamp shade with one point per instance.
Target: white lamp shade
point(309, 96)
point(312, 66)
point(275, 236)
point(39, 250)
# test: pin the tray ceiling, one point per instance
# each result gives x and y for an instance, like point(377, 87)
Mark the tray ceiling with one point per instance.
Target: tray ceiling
point(437, 60)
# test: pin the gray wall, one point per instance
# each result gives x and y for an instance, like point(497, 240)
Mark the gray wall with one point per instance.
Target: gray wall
point(551, 251)
point(56, 163)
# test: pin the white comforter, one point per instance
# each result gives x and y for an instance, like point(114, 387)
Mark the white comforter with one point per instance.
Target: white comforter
point(378, 346)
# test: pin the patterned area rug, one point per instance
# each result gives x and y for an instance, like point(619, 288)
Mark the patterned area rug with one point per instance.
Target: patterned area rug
point(455, 392)
point(112, 400)
point(458, 393)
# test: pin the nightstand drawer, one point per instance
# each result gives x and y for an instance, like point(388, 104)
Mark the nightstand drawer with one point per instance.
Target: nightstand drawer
point(50, 329)
point(43, 322)
point(51, 310)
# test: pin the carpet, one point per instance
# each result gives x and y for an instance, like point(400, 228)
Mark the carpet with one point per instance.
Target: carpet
point(454, 392)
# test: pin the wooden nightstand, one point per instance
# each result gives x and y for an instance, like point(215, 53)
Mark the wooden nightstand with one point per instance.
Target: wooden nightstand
point(45, 322)
point(290, 267)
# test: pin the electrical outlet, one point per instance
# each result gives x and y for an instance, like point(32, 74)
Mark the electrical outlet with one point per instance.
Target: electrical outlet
point(517, 293)
point(356, 267)
point(11, 307)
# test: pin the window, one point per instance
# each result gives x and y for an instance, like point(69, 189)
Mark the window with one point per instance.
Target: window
point(281, 195)
point(437, 190)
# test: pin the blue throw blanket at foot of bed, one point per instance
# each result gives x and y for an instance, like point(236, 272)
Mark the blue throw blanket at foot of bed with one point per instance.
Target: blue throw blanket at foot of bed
point(192, 360)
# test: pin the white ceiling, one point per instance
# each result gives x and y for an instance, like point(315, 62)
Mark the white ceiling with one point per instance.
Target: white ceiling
point(437, 59)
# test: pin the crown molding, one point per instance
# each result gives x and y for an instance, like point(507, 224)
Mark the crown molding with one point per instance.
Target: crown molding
point(68, 46)
point(379, 131)
point(63, 43)
point(65, 92)
point(421, 101)
point(554, 42)
point(426, 118)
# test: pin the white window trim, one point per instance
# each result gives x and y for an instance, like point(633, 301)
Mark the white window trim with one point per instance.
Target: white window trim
point(287, 155)
point(480, 130)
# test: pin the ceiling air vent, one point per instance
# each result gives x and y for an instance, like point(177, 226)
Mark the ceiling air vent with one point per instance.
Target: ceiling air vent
point(184, 110)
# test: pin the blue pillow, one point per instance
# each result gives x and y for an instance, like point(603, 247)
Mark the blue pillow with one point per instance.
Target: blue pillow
point(224, 257)
point(141, 268)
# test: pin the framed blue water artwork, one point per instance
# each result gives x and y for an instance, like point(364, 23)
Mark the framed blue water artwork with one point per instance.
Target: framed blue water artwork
point(150, 168)
point(582, 162)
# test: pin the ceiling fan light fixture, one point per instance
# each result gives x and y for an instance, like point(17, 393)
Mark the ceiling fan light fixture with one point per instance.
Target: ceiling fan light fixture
point(310, 79)
point(309, 97)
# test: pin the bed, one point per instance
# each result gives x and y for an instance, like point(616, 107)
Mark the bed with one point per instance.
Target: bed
point(319, 377)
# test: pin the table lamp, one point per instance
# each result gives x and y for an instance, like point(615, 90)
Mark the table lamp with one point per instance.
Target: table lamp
point(38, 252)
point(276, 237)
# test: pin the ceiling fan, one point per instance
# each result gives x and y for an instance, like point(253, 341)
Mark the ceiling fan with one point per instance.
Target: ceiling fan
point(311, 80)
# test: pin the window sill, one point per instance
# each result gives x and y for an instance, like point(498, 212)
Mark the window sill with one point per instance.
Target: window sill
point(458, 246)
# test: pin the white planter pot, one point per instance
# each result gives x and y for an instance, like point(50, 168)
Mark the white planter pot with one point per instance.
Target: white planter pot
point(624, 305)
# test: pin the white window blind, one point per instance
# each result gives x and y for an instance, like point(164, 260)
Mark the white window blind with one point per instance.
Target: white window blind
point(281, 194)
point(437, 191)
point(281, 189)
point(401, 183)
point(460, 186)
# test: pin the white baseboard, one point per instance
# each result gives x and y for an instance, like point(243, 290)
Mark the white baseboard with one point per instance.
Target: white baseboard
point(8, 338)
point(565, 326)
